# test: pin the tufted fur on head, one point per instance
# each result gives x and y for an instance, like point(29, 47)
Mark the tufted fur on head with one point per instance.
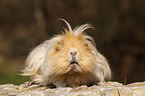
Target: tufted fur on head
point(70, 59)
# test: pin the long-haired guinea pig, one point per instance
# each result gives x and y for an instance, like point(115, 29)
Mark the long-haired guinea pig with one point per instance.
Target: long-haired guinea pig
point(68, 60)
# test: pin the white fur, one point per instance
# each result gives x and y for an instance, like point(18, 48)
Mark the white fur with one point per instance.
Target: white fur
point(39, 67)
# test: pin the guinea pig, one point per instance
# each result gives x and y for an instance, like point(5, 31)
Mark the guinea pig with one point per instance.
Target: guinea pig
point(68, 60)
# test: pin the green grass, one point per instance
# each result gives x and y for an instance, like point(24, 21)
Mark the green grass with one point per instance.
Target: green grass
point(12, 79)
point(118, 92)
point(9, 71)
point(124, 82)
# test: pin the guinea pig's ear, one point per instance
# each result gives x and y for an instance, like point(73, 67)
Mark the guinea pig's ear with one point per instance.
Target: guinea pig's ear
point(61, 42)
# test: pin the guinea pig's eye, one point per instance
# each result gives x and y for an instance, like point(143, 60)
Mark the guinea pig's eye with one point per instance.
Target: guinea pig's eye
point(57, 48)
point(86, 45)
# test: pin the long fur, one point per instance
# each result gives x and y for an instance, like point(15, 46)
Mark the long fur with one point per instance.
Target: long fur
point(49, 63)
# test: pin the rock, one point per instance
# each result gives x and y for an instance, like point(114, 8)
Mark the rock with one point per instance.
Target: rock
point(103, 89)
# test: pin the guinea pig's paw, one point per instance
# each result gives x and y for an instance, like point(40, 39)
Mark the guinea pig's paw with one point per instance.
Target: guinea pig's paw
point(27, 84)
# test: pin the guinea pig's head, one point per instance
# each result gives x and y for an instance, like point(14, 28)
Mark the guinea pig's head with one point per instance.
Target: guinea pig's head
point(72, 52)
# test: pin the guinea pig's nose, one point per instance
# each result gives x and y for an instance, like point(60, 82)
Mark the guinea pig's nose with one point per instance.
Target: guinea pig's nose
point(73, 53)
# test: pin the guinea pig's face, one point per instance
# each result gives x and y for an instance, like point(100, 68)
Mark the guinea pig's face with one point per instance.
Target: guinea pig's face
point(73, 54)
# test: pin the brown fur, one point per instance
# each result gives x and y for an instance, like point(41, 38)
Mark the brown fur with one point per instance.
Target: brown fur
point(50, 62)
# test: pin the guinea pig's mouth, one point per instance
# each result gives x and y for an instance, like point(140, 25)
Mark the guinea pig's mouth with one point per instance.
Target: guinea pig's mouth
point(73, 62)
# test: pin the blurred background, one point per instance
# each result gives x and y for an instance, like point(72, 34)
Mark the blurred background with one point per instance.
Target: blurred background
point(119, 33)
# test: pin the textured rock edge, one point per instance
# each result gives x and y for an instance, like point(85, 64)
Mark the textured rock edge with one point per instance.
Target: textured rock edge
point(104, 89)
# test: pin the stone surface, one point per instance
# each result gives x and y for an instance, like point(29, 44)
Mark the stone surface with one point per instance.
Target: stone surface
point(104, 89)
